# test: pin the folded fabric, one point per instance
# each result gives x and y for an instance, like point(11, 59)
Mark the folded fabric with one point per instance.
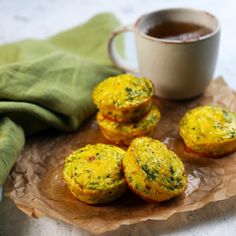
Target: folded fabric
point(48, 83)
point(88, 40)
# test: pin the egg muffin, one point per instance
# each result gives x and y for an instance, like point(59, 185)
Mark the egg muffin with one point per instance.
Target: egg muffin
point(209, 130)
point(94, 174)
point(124, 133)
point(124, 98)
point(152, 171)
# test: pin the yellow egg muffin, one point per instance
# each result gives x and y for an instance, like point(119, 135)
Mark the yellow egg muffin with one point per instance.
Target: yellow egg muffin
point(152, 171)
point(94, 173)
point(124, 97)
point(209, 130)
point(124, 133)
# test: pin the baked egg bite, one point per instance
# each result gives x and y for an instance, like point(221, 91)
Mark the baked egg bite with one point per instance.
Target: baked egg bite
point(94, 173)
point(152, 171)
point(209, 130)
point(123, 133)
point(124, 97)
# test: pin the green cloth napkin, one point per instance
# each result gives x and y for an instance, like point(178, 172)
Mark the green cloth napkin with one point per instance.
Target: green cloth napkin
point(48, 83)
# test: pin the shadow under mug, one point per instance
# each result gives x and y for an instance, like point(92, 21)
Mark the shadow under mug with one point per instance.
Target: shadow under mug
point(178, 69)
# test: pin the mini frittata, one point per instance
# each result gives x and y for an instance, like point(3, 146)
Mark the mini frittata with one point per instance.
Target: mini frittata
point(152, 171)
point(209, 130)
point(124, 133)
point(94, 173)
point(124, 98)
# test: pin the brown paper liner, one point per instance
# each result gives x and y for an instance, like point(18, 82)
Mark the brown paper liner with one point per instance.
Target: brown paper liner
point(37, 187)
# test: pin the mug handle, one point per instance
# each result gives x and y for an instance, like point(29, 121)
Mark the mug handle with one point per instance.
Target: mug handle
point(114, 56)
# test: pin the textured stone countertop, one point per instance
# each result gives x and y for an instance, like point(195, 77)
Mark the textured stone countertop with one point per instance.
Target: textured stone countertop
point(41, 18)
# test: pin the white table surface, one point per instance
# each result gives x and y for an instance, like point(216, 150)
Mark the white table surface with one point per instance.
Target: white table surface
point(21, 19)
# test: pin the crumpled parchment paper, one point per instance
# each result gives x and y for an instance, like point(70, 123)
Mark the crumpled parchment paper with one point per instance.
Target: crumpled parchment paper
point(37, 188)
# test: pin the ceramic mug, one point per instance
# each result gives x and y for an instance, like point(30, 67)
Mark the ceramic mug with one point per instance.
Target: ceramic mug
point(178, 69)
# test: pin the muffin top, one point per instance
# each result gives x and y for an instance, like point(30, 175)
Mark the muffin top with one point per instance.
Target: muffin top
point(95, 167)
point(144, 123)
point(208, 124)
point(161, 166)
point(123, 91)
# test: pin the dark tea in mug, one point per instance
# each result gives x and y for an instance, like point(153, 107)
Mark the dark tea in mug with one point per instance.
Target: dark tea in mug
point(178, 31)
